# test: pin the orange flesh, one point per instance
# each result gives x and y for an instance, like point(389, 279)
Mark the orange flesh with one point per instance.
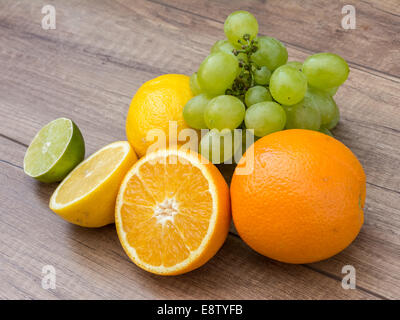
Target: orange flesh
point(166, 211)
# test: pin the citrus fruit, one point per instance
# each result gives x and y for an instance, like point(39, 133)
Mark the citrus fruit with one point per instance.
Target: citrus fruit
point(55, 150)
point(86, 197)
point(172, 212)
point(303, 202)
point(155, 104)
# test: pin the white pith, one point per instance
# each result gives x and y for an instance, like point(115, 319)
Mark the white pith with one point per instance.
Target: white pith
point(166, 210)
point(45, 147)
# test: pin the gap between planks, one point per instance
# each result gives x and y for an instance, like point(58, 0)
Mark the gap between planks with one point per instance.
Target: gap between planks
point(26, 146)
point(231, 233)
point(118, 61)
point(147, 68)
point(364, 68)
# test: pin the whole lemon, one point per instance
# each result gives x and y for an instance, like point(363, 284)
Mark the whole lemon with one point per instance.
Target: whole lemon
point(155, 104)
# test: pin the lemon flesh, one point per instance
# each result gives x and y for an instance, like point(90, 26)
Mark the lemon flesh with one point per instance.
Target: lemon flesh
point(89, 175)
point(86, 197)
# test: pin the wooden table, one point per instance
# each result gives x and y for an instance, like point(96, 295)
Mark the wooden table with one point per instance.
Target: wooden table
point(89, 68)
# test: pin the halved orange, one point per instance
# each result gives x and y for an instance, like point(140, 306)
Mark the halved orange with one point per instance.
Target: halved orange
point(172, 212)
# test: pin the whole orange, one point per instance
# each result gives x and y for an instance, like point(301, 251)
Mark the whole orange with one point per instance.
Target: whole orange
point(303, 202)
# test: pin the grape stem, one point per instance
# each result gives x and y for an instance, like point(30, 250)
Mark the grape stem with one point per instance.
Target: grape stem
point(245, 80)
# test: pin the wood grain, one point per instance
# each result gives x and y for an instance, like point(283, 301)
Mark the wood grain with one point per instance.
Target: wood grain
point(89, 68)
point(315, 26)
point(91, 263)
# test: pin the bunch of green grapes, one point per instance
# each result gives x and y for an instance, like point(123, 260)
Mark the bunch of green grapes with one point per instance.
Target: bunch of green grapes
point(246, 81)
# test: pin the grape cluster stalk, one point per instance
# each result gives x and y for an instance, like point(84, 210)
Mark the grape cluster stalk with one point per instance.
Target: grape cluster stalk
point(246, 79)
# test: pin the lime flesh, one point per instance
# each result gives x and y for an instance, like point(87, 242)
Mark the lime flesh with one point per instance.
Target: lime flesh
point(56, 149)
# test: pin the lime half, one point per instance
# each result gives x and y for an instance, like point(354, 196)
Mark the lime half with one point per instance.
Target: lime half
point(56, 149)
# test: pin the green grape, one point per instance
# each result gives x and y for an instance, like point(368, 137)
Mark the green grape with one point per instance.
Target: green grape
point(324, 102)
point(239, 23)
point(265, 117)
point(333, 123)
point(325, 70)
point(295, 64)
point(262, 75)
point(257, 94)
point(270, 53)
point(302, 116)
point(193, 111)
point(226, 46)
point(224, 112)
point(288, 85)
point(219, 146)
point(217, 72)
point(194, 84)
point(326, 131)
point(219, 44)
point(331, 91)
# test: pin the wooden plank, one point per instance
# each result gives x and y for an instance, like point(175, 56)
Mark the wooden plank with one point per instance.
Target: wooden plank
point(91, 263)
point(315, 26)
point(76, 87)
point(79, 72)
point(42, 57)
